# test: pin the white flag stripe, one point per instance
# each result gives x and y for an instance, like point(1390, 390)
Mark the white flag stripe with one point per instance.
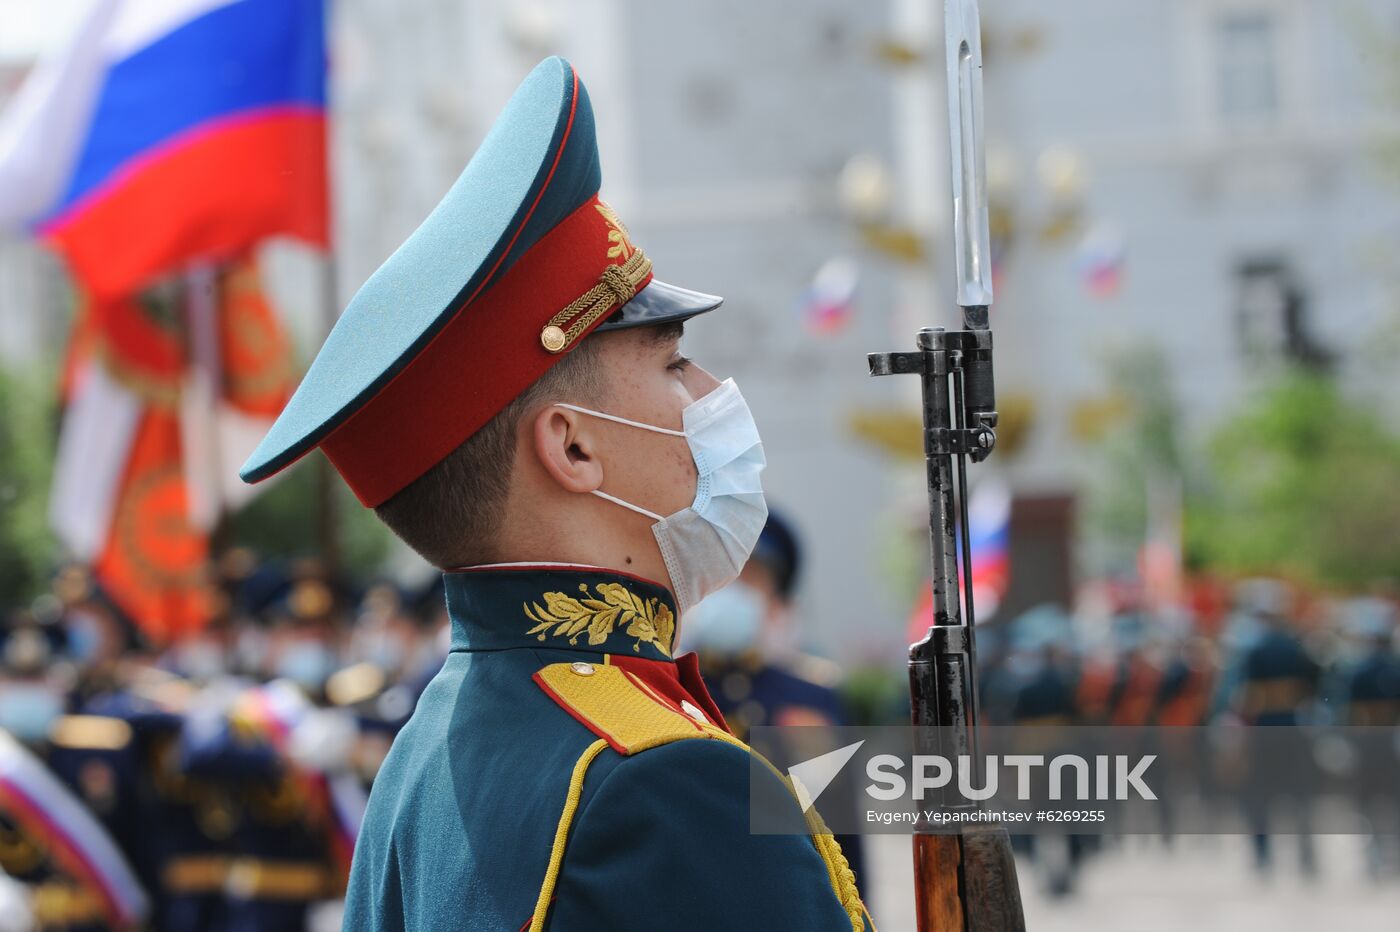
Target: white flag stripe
point(144, 21)
point(43, 129)
point(93, 450)
point(239, 436)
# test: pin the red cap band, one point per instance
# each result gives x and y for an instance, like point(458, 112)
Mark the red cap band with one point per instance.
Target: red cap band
point(484, 357)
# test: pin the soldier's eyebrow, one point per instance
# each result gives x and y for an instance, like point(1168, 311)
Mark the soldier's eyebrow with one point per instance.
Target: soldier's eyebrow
point(663, 334)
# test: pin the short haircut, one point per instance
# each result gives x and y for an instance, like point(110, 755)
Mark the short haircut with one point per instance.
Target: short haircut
point(451, 514)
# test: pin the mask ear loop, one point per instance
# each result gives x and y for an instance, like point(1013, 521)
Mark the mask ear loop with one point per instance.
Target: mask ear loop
point(628, 505)
point(621, 420)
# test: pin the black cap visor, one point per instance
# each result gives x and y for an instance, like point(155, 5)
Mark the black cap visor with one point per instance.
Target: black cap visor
point(659, 303)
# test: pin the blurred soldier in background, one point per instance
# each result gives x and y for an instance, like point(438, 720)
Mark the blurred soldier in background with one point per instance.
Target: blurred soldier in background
point(747, 636)
point(1119, 684)
point(1039, 682)
point(1040, 675)
point(1188, 675)
point(1274, 683)
point(1370, 692)
point(1371, 682)
point(1278, 678)
point(103, 644)
point(31, 696)
point(284, 751)
point(68, 872)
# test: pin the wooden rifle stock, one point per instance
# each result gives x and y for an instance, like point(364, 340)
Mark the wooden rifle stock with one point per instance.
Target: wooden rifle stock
point(966, 882)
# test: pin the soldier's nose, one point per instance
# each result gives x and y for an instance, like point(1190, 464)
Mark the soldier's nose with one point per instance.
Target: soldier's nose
point(699, 382)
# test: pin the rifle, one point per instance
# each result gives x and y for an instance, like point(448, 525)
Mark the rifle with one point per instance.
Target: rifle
point(964, 882)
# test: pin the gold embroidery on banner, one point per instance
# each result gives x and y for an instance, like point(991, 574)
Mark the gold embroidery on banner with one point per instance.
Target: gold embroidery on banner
point(648, 620)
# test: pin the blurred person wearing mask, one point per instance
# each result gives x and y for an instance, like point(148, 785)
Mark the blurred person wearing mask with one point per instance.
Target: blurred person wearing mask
point(509, 395)
point(304, 637)
point(31, 698)
point(746, 636)
point(397, 653)
point(204, 657)
point(400, 634)
point(218, 650)
point(60, 779)
point(278, 754)
point(103, 643)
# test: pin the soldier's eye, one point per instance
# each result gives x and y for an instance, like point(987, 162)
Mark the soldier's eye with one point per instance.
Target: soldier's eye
point(680, 363)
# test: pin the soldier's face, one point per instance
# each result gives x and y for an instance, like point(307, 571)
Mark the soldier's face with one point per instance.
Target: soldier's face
point(651, 381)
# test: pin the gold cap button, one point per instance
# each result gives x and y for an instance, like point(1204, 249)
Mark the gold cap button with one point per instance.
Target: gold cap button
point(581, 668)
point(552, 338)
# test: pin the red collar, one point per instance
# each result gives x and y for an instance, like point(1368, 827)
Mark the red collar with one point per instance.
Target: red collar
point(674, 682)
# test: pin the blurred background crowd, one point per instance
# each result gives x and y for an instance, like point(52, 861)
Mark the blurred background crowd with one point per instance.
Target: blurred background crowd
point(1189, 517)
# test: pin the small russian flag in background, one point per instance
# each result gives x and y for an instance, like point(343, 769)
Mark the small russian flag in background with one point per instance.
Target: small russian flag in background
point(989, 532)
point(169, 132)
point(826, 304)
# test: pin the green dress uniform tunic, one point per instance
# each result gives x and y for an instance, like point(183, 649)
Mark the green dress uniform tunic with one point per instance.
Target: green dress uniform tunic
point(563, 771)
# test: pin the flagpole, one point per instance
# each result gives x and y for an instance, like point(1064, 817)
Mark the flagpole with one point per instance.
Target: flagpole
point(202, 301)
point(327, 515)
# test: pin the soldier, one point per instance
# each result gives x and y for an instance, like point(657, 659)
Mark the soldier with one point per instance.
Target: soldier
point(1275, 685)
point(1370, 691)
point(1371, 687)
point(508, 393)
point(1119, 687)
point(72, 873)
point(1039, 684)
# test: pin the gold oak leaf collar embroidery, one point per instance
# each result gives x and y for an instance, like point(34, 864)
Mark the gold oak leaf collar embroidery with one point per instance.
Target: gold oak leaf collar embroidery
point(648, 620)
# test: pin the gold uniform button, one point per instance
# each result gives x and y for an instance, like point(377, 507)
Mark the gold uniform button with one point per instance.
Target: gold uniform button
point(692, 711)
point(581, 668)
point(552, 338)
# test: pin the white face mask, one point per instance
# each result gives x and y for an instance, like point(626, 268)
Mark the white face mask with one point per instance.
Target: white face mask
point(707, 544)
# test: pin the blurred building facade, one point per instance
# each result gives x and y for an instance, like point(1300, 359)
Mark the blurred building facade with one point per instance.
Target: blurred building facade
point(1229, 152)
point(1194, 174)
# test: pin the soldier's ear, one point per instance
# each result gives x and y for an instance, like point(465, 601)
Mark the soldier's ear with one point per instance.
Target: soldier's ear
point(565, 444)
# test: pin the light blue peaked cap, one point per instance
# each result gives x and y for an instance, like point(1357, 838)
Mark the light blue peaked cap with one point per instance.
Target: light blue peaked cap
point(537, 165)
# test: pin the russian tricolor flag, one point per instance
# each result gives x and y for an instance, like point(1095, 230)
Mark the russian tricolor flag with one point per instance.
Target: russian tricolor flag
point(171, 131)
point(989, 533)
